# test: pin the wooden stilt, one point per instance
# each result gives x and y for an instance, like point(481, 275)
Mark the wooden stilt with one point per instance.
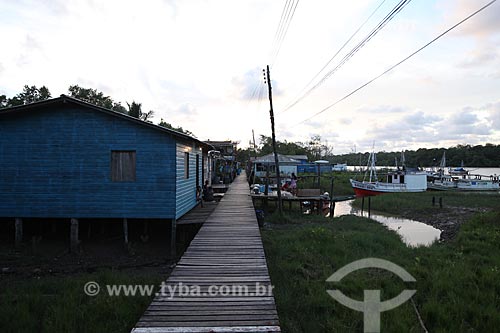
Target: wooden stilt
point(89, 230)
point(74, 242)
point(173, 239)
point(125, 231)
point(19, 232)
point(332, 209)
point(369, 206)
point(145, 235)
point(362, 205)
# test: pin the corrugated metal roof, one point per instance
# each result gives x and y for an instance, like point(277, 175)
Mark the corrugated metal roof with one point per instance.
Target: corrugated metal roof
point(270, 159)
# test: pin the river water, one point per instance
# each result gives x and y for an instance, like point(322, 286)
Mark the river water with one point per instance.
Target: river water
point(413, 233)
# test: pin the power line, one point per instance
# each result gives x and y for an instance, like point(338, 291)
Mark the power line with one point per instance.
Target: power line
point(355, 49)
point(286, 19)
point(336, 53)
point(399, 63)
point(280, 24)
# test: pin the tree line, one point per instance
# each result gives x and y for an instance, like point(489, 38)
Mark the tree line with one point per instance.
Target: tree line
point(487, 155)
point(32, 94)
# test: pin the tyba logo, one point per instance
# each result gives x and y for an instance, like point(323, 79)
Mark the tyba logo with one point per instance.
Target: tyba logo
point(371, 306)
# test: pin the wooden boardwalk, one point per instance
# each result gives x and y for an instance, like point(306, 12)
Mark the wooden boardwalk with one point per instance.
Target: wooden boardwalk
point(221, 283)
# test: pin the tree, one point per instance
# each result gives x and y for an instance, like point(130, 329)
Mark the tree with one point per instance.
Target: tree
point(285, 147)
point(95, 97)
point(28, 95)
point(319, 149)
point(3, 101)
point(135, 110)
point(163, 123)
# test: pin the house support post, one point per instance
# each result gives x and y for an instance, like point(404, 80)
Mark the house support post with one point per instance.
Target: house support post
point(332, 203)
point(173, 239)
point(19, 232)
point(125, 232)
point(74, 236)
point(369, 206)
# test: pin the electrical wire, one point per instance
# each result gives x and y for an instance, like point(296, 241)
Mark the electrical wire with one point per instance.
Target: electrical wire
point(335, 55)
point(398, 63)
point(354, 50)
point(287, 16)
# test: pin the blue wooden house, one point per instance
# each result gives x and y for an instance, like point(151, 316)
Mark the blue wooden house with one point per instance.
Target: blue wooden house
point(64, 158)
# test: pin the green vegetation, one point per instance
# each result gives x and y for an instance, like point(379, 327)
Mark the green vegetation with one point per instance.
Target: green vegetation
point(28, 95)
point(458, 283)
point(316, 148)
point(341, 184)
point(59, 304)
point(474, 156)
point(93, 96)
point(420, 204)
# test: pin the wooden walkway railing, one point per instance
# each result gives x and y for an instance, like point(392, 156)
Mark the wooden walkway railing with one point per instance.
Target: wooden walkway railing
point(221, 283)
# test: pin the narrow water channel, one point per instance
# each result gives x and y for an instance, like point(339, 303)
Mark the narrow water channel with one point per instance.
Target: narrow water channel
point(413, 233)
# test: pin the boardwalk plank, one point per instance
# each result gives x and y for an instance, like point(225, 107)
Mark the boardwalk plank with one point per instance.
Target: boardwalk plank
point(226, 253)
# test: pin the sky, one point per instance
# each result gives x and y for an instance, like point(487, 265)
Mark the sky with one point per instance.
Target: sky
point(198, 64)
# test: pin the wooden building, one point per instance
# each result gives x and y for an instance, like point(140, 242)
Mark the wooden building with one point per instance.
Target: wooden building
point(64, 158)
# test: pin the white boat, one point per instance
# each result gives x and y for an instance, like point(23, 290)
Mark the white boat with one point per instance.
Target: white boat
point(459, 179)
point(396, 182)
point(339, 167)
point(465, 183)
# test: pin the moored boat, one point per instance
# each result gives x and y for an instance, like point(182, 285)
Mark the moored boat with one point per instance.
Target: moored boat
point(465, 183)
point(396, 182)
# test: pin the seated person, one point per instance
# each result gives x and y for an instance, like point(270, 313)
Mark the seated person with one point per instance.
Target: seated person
point(208, 193)
point(325, 203)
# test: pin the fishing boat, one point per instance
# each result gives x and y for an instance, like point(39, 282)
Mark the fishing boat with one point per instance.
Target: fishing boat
point(398, 181)
point(465, 183)
point(460, 179)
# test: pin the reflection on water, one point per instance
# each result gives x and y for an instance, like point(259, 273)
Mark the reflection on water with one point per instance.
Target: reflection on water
point(413, 233)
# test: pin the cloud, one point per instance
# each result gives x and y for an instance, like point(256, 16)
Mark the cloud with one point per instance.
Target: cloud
point(466, 122)
point(382, 109)
point(249, 86)
point(404, 130)
point(187, 109)
point(484, 25)
point(492, 113)
point(345, 121)
point(480, 57)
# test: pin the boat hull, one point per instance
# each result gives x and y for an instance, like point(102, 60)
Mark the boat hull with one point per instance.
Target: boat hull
point(366, 189)
point(366, 193)
point(463, 187)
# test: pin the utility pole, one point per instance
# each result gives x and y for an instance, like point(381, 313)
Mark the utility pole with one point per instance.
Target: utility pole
point(254, 166)
point(276, 160)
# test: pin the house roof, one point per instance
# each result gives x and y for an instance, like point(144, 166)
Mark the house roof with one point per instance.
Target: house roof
point(64, 99)
point(269, 158)
point(298, 157)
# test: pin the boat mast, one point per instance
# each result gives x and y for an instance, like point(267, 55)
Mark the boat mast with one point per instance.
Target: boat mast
point(373, 171)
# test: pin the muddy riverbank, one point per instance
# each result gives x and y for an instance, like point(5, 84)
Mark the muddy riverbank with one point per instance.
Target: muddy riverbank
point(447, 219)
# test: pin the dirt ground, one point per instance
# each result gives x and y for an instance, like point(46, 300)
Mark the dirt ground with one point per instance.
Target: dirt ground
point(53, 258)
point(50, 256)
point(448, 219)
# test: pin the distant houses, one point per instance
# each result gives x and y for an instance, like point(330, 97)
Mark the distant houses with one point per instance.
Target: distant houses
point(64, 158)
point(288, 164)
point(223, 166)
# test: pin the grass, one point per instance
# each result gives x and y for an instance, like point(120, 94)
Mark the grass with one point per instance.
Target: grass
point(458, 283)
point(421, 203)
point(59, 304)
point(341, 185)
